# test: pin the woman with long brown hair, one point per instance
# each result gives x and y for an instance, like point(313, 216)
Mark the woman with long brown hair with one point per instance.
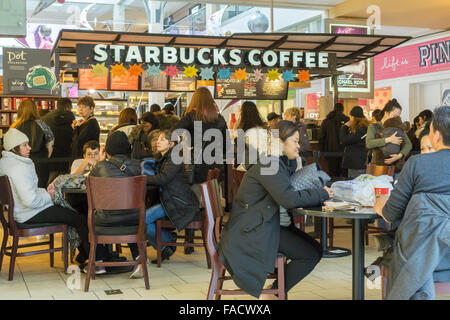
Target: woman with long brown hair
point(40, 136)
point(202, 110)
point(353, 135)
point(127, 121)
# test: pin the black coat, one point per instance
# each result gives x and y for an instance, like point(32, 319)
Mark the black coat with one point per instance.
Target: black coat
point(187, 122)
point(355, 152)
point(105, 169)
point(90, 130)
point(61, 124)
point(140, 143)
point(330, 130)
point(178, 200)
point(249, 241)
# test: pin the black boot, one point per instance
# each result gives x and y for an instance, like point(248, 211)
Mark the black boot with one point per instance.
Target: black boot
point(165, 255)
point(190, 239)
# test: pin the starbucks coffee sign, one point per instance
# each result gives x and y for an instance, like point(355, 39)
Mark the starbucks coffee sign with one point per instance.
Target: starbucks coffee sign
point(114, 54)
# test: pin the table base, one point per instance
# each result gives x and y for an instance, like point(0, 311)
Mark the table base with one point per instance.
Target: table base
point(330, 252)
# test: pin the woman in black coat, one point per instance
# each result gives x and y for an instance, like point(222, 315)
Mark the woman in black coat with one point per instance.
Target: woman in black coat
point(202, 110)
point(178, 201)
point(253, 236)
point(86, 129)
point(353, 135)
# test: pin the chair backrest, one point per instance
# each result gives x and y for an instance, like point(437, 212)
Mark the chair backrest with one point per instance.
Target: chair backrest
point(213, 174)
point(213, 213)
point(116, 194)
point(376, 170)
point(7, 199)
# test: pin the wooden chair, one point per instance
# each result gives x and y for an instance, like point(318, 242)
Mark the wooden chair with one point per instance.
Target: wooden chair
point(440, 288)
point(213, 213)
point(116, 194)
point(17, 230)
point(194, 225)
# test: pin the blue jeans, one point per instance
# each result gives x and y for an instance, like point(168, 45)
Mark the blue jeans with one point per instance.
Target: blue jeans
point(151, 215)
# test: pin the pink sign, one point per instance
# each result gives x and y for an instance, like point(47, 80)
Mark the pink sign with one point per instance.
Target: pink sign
point(425, 57)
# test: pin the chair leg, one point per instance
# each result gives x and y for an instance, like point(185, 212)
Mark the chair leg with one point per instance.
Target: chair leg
point(158, 244)
point(280, 279)
point(65, 246)
point(142, 246)
point(213, 284)
point(12, 263)
point(208, 258)
point(3, 248)
point(119, 248)
point(52, 245)
point(331, 232)
point(222, 272)
point(91, 266)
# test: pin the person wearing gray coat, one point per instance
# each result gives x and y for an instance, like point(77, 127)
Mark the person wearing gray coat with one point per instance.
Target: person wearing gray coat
point(252, 237)
point(418, 209)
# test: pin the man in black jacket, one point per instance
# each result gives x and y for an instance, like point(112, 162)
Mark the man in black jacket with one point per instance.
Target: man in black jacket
point(329, 138)
point(60, 121)
point(118, 165)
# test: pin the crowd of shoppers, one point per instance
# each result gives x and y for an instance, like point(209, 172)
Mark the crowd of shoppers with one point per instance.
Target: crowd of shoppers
point(253, 234)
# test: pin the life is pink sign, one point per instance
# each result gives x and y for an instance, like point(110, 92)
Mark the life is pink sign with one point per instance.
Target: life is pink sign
point(425, 57)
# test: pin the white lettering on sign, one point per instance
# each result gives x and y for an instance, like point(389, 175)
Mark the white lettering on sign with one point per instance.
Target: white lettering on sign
point(152, 54)
point(284, 57)
point(134, 54)
point(100, 52)
point(235, 57)
point(201, 55)
point(14, 56)
point(117, 49)
point(170, 55)
point(184, 59)
point(434, 53)
point(216, 56)
point(252, 58)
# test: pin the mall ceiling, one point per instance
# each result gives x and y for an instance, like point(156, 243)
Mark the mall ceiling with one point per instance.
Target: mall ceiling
point(419, 15)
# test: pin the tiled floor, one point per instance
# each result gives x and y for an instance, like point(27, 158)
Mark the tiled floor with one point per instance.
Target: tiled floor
point(183, 277)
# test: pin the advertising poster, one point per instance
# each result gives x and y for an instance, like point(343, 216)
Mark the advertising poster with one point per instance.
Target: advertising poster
point(87, 80)
point(125, 82)
point(27, 71)
point(357, 80)
point(181, 83)
point(158, 83)
point(251, 89)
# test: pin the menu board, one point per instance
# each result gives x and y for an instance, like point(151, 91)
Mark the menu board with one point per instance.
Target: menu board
point(153, 83)
point(125, 82)
point(251, 89)
point(27, 71)
point(182, 83)
point(88, 81)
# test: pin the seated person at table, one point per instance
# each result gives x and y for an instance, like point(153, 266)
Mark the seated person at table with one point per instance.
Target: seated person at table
point(252, 237)
point(91, 155)
point(418, 211)
point(178, 202)
point(33, 205)
point(118, 151)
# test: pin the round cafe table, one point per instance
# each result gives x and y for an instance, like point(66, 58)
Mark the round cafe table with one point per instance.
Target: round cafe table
point(359, 218)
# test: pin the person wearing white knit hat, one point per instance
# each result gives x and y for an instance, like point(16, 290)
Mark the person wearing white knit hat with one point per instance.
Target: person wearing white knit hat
point(33, 205)
point(15, 138)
